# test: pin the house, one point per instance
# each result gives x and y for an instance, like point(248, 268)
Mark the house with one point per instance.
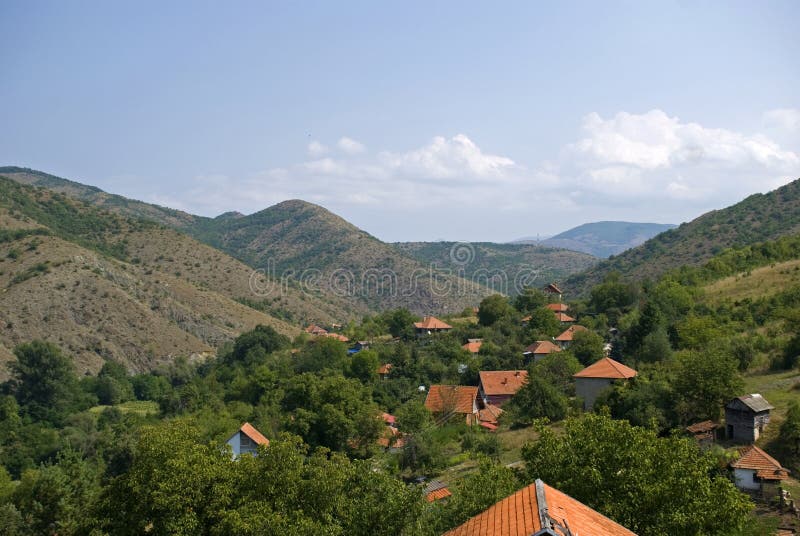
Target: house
point(565, 339)
point(755, 470)
point(389, 419)
point(703, 432)
point(539, 510)
point(552, 288)
point(384, 370)
point(558, 307)
point(446, 401)
point(473, 346)
point(338, 336)
point(598, 376)
point(436, 490)
point(539, 349)
point(358, 346)
point(496, 387)
point(246, 440)
point(746, 417)
point(313, 329)
point(431, 324)
point(564, 318)
point(392, 440)
point(489, 416)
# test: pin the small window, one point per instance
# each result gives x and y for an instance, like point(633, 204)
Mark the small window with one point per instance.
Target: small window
point(755, 477)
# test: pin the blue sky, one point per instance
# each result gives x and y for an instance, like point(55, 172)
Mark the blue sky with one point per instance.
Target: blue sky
point(413, 120)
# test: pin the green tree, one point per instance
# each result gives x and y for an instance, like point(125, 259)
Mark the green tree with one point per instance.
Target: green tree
point(529, 300)
point(364, 366)
point(789, 436)
point(557, 369)
point(651, 485)
point(400, 323)
point(543, 324)
point(656, 346)
point(44, 382)
point(494, 308)
point(704, 382)
point(587, 346)
point(536, 399)
point(253, 346)
point(413, 417)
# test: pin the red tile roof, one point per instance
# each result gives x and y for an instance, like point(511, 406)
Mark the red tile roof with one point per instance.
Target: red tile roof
point(563, 317)
point(552, 287)
point(489, 414)
point(606, 368)
point(438, 495)
point(455, 398)
point(431, 322)
point(522, 514)
point(316, 330)
point(766, 467)
point(385, 369)
point(338, 337)
point(473, 346)
point(502, 382)
point(250, 431)
point(702, 427)
point(558, 307)
point(542, 348)
point(569, 332)
point(388, 418)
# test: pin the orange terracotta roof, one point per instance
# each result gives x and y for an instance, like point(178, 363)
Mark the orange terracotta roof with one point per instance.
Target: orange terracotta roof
point(552, 287)
point(384, 369)
point(473, 346)
point(388, 418)
point(521, 514)
point(767, 467)
point(569, 332)
point(250, 431)
point(455, 398)
point(606, 368)
point(502, 382)
point(702, 427)
point(338, 337)
point(489, 426)
point(542, 347)
point(431, 322)
point(489, 414)
point(558, 307)
point(438, 495)
point(563, 317)
point(316, 330)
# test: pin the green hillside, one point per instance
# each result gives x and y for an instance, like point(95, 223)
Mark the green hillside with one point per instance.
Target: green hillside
point(758, 218)
point(505, 267)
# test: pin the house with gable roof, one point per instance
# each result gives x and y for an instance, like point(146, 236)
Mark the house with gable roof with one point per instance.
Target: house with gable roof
point(565, 339)
point(473, 346)
point(446, 401)
point(539, 510)
point(496, 387)
point(746, 417)
point(598, 376)
point(755, 470)
point(540, 349)
point(431, 324)
point(246, 440)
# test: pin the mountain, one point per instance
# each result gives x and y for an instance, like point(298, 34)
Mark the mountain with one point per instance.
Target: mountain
point(758, 218)
point(604, 238)
point(108, 287)
point(306, 243)
point(504, 267)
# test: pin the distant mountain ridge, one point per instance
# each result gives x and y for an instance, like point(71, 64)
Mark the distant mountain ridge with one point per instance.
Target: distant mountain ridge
point(603, 238)
point(758, 218)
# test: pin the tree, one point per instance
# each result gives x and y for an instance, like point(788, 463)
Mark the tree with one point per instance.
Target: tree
point(557, 369)
point(651, 485)
point(253, 346)
point(656, 346)
point(613, 296)
point(364, 366)
point(790, 431)
point(704, 382)
point(543, 324)
point(587, 346)
point(44, 381)
point(400, 323)
point(493, 308)
point(413, 417)
point(529, 300)
point(536, 399)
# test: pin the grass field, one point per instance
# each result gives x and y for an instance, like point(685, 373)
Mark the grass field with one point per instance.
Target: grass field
point(756, 283)
point(140, 407)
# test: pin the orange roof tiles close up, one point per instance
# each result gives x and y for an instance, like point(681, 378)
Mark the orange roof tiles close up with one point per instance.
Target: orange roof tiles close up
point(438, 495)
point(473, 345)
point(569, 332)
point(502, 382)
point(606, 368)
point(536, 507)
point(563, 317)
point(431, 322)
point(558, 307)
point(250, 431)
point(455, 398)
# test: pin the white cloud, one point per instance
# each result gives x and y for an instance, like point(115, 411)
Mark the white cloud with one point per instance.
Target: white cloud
point(350, 146)
point(645, 167)
point(783, 118)
point(317, 149)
